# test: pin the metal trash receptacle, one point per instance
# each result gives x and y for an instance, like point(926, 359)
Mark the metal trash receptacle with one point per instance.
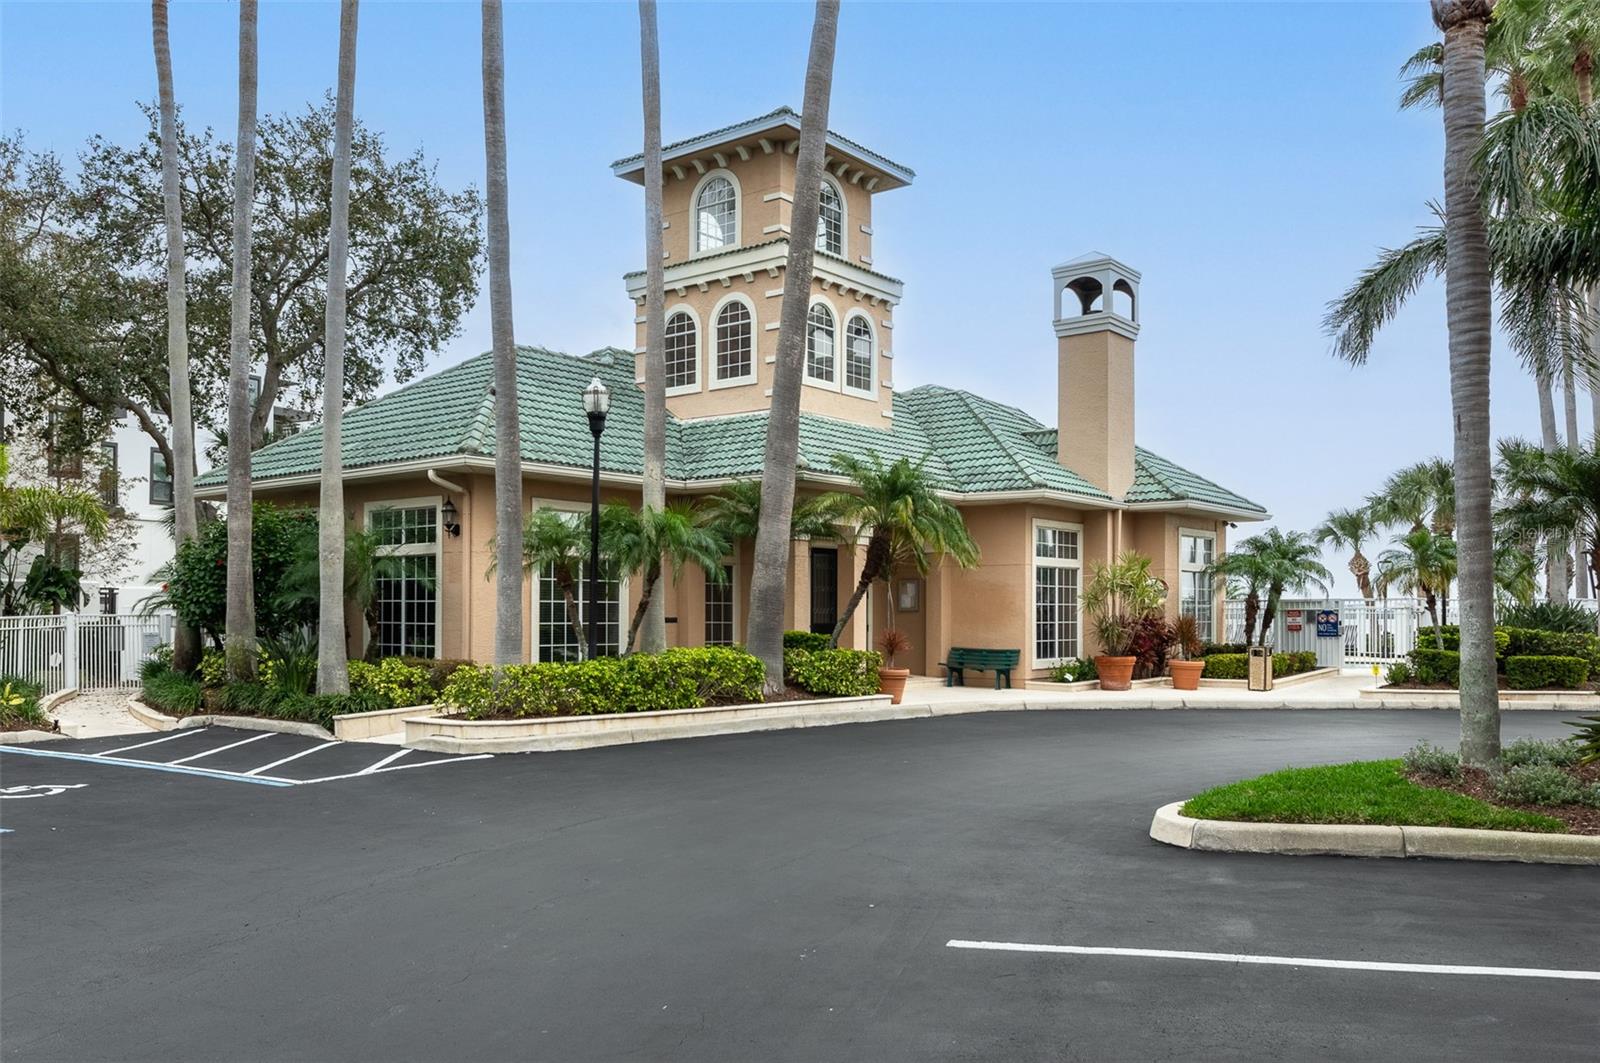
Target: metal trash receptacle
point(1260, 668)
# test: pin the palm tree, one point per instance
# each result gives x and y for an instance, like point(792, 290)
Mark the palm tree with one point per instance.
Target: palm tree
point(1421, 564)
point(507, 434)
point(1244, 568)
point(771, 574)
point(1468, 297)
point(646, 540)
point(365, 561)
point(333, 664)
point(898, 509)
point(1349, 529)
point(654, 635)
point(559, 542)
point(1559, 494)
point(1289, 561)
point(1418, 495)
point(239, 636)
point(735, 514)
point(186, 639)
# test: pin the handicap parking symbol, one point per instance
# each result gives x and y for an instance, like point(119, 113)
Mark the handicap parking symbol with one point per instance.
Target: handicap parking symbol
point(40, 790)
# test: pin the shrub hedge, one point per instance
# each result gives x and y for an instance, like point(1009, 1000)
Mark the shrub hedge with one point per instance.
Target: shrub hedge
point(20, 705)
point(837, 673)
point(1436, 666)
point(681, 678)
point(1548, 616)
point(1451, 634)
point(393, 678)
point(173, 693)
point(1237, 665)
point(806, 640)
point(1537, 673)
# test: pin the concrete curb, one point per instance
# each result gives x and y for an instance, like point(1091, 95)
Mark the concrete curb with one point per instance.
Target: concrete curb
point(160, 721)
point(1172, 827)
point(1565, 700)
point(61, 697)
point(28, 738)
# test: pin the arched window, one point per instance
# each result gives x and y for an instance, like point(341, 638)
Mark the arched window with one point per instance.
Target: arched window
point(830, 220)
point(716, 214)
point(734, 361)
point(858, 354)
point(819, 344)
point(682, 351)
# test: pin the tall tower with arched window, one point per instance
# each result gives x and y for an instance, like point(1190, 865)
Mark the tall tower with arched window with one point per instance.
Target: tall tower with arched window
point(1096, 322)
point(727, 201)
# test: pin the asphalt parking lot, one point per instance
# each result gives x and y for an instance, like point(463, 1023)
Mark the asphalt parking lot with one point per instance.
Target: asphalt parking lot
point(786, 895)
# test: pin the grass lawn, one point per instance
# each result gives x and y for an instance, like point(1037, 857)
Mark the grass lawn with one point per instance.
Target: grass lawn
point(1370, 791)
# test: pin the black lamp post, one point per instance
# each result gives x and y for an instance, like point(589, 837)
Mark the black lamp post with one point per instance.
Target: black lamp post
point(596, 403)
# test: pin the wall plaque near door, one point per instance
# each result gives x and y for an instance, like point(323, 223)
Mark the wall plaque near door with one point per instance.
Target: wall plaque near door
point(908, 595)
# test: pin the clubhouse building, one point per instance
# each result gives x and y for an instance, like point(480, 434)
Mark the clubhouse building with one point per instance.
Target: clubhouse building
point(1043, 502)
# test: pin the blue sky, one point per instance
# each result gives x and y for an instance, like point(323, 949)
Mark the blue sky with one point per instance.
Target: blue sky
point(1248, 158)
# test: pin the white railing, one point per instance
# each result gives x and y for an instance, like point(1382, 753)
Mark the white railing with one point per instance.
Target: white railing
point(81, 650)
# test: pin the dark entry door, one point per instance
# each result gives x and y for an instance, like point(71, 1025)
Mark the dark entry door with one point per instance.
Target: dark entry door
point(824, 589)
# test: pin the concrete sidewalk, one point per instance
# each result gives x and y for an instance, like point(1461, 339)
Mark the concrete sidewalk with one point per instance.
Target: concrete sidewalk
point(1332, 692)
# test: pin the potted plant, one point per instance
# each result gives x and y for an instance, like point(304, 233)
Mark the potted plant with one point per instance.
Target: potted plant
point(1184, 667)
point(1119, 596)
point(892, 680)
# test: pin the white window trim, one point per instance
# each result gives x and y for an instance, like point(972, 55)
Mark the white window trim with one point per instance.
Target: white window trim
point(1185, 566)
point(838, 353)
point(417, 549)
point(844, 216)
point(712, 383)
point(699, 346)
point(695, 250)
point(561, 505)
point(1033, 587)
point(731, 563)
point(871, 390)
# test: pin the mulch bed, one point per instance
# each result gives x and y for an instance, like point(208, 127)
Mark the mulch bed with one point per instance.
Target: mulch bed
point(23, 725)
point(1580, 819)
point(789, 693)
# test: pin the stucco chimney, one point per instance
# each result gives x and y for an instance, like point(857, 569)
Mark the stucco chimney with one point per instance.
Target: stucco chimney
point(1097, 321)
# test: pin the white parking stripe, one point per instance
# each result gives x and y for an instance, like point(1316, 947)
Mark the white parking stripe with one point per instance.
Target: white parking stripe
point(365, 772)
point(153, 742)
point(390, 759)
point(1283, 961)
point(292, 756)
point(221, 749)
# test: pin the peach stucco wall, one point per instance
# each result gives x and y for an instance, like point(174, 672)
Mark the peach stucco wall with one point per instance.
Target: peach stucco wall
point(989, 605)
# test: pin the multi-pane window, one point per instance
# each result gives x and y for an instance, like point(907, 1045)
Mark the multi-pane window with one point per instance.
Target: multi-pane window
point(830, 220)
point(734, 340)
point(719, 608)
point(858, 354)
point(407, 582)
point(565, 637)
point(110, 481)
point(819, 344)
point(716, 214)
point(1196, 551)
point(682, 351)
point(160, 479)
point(1057, 569)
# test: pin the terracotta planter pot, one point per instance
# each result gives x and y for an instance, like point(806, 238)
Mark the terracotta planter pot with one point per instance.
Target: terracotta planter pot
point(892, 681)
point(1116, 673)
point(1186, 674)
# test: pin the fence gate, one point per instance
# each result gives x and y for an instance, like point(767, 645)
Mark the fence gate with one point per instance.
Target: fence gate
point(88, 651)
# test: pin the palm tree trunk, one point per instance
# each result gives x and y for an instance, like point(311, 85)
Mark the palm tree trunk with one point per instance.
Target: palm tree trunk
point(874, 567)
point(333, 662)
point(1361, 569)
point(1252, 606)
point(646, 595)
point(1432, 604)
point(1274, 594)
point(654, 635)
point(1468, 296)
point(1556, 559)
point(507, 434)
point(772, 549)
point(239, 641)
point(569, 598)
point(186, 639)
point(1574, 445)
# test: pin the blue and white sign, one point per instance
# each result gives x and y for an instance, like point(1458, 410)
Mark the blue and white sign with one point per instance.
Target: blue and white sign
point(1327, 623)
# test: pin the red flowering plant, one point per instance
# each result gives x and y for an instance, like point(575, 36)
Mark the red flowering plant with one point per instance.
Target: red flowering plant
point(1151, 638)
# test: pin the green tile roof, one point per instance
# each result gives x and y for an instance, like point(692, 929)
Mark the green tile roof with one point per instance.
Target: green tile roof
point(969, 444)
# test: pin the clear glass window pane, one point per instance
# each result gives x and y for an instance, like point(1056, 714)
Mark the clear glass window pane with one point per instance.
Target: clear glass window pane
point(715, 215)
point(819, 344)
point(830, 221)
point(719, 609)
point(563, 637)
point(682, 351)
point(733, 342)
point(858, 354)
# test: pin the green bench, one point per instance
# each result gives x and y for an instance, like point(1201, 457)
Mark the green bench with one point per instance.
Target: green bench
point(1000, 662)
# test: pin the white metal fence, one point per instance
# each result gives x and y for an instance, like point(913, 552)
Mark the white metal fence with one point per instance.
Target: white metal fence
point(1372, 631)
point(81, 650)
